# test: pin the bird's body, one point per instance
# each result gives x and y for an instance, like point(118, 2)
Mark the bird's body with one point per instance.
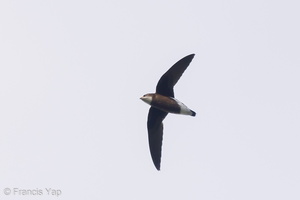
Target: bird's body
point(163, 102)
point(167, 104)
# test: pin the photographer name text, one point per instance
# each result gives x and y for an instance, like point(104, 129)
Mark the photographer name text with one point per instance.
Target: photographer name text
point(32, 192)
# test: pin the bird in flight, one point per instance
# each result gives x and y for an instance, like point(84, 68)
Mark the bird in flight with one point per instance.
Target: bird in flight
point(163, 102)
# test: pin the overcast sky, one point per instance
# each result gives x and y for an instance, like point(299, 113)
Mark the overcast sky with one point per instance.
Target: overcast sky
point(72, 72)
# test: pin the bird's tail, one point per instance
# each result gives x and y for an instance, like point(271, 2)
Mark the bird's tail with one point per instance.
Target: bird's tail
point(193, 113)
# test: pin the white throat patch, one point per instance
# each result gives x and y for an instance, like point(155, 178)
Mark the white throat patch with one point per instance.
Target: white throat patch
point(147, 99)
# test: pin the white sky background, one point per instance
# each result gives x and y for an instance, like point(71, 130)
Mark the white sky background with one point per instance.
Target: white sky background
point(72, 72)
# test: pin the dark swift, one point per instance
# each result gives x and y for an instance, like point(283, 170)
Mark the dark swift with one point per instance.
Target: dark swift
point(163, 102)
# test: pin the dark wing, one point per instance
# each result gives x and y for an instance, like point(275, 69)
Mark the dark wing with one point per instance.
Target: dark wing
point(155, 134)
point(169, 79)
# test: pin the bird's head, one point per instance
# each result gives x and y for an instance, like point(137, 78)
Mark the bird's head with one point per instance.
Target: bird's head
point(147, 98)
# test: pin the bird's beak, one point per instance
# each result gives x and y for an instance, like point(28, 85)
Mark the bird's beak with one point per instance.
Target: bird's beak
point(143, 99)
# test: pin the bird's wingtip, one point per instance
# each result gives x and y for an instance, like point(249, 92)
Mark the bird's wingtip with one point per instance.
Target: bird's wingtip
point(191, 56)
point(157, 166)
